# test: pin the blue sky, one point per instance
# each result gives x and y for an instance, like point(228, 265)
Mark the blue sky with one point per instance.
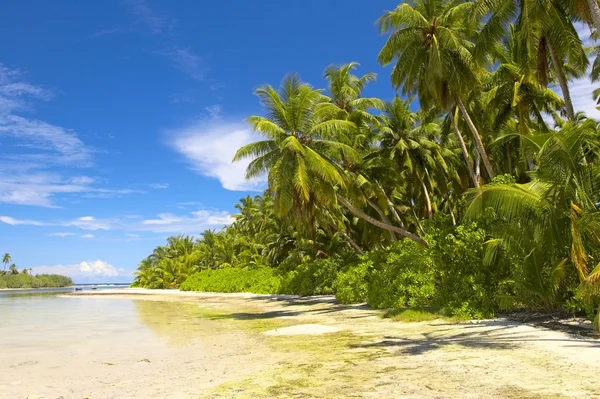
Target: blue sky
point(118, 119)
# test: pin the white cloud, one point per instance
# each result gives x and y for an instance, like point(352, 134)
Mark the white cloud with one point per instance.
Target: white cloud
point(210, 146)
point(89, 223)
point(62, 234)
point(27, 186)
point(192, 223)
point(84, 270)
point(87, 236)
point(17, 222)
point(189, 223)
point(33, 150)
point(42, 136)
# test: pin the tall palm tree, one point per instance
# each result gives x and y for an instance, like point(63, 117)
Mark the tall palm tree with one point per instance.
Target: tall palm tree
point(413, 148)
point(345, 90)
point(6, 259)
point(547, 32)
point(432, 41)
point(302, 162)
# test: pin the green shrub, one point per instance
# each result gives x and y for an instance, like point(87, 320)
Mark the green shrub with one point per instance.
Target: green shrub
point(258, 281)
point(352, 284)
point(396, 277)
point(466, 286)
point(316, 277)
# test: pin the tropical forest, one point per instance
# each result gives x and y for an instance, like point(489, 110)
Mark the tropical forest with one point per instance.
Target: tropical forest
point(472, 190)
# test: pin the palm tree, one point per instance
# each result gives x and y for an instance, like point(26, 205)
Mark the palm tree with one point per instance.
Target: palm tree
point(432, 42)
point(6, 259)
point(559, 207)
point(585, 10)
point(515, 97)
point(302, 163)
point(547, 32)
point(345, 90)
point(412, 147)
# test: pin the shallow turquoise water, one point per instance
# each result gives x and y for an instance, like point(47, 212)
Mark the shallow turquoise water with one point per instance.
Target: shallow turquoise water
point(102, 347)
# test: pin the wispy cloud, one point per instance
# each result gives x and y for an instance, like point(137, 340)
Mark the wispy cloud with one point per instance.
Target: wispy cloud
point(144, 14)
point(209, 148)
point(159, 185)
point(188, 223)
point(182, 57)
point(87, 236)
point(28, 184)
point(18, 222)
point(61, 234)
point(89, 223)
point(186, 61)
point(106, 32)
point(192, 223)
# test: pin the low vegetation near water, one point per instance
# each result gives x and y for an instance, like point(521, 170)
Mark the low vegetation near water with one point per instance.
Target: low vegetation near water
point(38, 281)
point(12, 278)
point(484, 199)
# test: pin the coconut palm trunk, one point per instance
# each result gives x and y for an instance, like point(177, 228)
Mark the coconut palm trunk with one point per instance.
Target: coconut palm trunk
point(358, 213)
point(427, 199)
point(464, 150)
point(476, 138)
point(562, 81)
point(595, 12)
point(352, 243)
point(383, 217)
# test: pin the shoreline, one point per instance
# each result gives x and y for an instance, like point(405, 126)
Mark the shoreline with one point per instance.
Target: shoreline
point(39, 288)
point(188, 294)
point(574, 326)
point(184, 345)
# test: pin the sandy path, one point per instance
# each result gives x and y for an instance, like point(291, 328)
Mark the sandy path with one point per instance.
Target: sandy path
point(367, 357)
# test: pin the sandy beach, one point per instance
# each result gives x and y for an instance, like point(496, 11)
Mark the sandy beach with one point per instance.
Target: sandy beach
point(200, 345)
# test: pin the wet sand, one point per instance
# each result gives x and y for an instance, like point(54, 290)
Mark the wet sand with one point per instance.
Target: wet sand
point(167, 344)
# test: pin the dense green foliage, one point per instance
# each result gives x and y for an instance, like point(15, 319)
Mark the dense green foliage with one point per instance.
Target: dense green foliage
point(12, 278)
point(22, 280)
point(484, 199)
point(258, 281)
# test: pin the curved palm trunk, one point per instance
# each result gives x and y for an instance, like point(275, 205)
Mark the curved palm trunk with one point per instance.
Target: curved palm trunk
point(375, 222)
point(478, 166)
point(352, 243)
point(562, 81)
point(395, 212)
point(476, 139)
point(383, 217)
point(451, 214)
point(418, 222)
point(390, 204)
point(595, 12)
point(464, 150)
point(427, 199)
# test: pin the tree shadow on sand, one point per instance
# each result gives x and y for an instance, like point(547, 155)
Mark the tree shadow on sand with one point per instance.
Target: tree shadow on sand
point(493, 334)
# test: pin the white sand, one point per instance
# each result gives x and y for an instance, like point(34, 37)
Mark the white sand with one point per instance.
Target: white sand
point(385, 359)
